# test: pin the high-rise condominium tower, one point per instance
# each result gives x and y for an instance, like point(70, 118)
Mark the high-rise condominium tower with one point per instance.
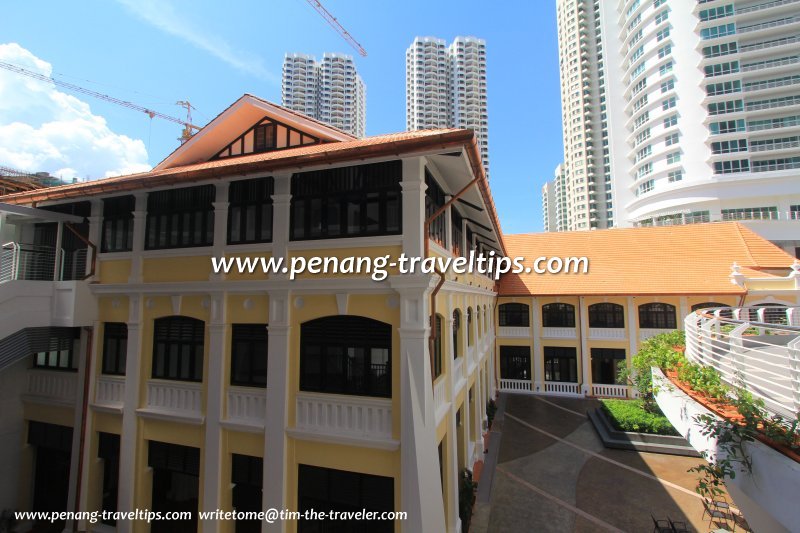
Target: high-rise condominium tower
point(330, 90)
point(446, 87)
point(586, 172)
point(702, 105)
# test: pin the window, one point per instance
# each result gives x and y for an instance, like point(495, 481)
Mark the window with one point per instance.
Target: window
point(670, 121)
point(657, 316)
point(638, 70)
point(118, 224)
point(178, 348)
point(57, 352)
point(264, 138)
point(671, 139)
point(645, 187)
point(716, 12)
point(751, 213)
point(513, 314)
point(637, 54)
point(668, 85)
point(707, 305)
point(666, 67)
point(669, 103)
point(673, 157)
point(732, 167)
point(721, 69)
point(662, 34)
point(675, 175)
point(362, 200)
point(515, 362)
point(478, 320)
point(249, 355)
point(176, 484)
point(664, 51)
point(606, 315)
point(730, 106)
point(115, 347)
point(558, 315)
point(726, 87)
point(718, 31)
point(644, 170)
point(326, 489)
point(247, 477)
point(180, 218)
point(662, 16)
point(250, 211)
point(458, 233)
point(720, 49)
point(434, 200)
point(605, 364)
point(108, 451)
point(437, 348)
point(641, 120)
point(457, 334)
point(346, 355)
point(728, 147)
point(470, 335)
point(726, 126)
point(560, 364)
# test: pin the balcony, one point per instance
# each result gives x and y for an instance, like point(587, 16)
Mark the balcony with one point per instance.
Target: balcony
point(180, 401)
point(354, 420)
point(247, 408)
point(52, 387)
point(559, 333)
point(599, 334)
point(515, 385)
point(109, 393)
point(514, 331)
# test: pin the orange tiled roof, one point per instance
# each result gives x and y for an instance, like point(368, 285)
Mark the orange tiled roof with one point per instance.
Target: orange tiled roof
point(690, 259)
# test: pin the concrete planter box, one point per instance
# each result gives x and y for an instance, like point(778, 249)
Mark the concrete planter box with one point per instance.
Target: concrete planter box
point(767, 496)
point(641, 442)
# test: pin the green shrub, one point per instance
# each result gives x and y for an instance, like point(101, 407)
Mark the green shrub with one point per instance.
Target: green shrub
point(466, 498)
point(491, 409)
point(630, 415)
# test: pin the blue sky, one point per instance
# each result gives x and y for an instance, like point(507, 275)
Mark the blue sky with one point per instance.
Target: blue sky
point(155, 53)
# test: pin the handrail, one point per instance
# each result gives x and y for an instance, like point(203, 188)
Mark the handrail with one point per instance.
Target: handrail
point(88, 243)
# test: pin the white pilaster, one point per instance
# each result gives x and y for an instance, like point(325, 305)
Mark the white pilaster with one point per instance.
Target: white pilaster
point(277, 416)
point(77, 419)
point(683, 310)
point(220, 223)
point(95, 232)
point(537, 357)
point(413, 186)
point(127, 467)
point(218, 337)
point(633, 330)
point(585, 355)
point(281, 213)
point(139, 228)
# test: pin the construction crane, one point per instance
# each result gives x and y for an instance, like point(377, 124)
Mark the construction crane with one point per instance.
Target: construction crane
point(187, 125)
point(336, 26)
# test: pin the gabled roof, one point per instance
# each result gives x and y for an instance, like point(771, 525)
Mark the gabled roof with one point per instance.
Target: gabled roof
point(690, 259)
point(237, 118)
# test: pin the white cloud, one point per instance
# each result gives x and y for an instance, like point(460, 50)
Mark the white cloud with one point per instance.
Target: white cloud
point(44, 129)
point(163, 15)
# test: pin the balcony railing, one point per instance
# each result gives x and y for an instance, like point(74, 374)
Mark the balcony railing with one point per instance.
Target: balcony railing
point(515, 385)
point(52, 386)
point(562, 387)
point(757, 348)
point(767, 25)
point(247, 406)
point(610, 391)
point(174, 399)
point(110, 392)
point(344, 416)
point(766, 5)
point(31, 262)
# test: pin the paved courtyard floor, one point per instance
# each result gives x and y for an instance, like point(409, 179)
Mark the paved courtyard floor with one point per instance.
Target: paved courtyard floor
point(547, 470)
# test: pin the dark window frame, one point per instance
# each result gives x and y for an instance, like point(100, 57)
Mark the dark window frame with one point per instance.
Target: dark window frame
point(326, 364)
point(265, 137)
point(250, 211)
point(558, 315)
point(606, 315)
point(600, 358)
point(515, 362)
point(250, 336)
point(457, 342)
point(185, 334)
point(435, 200)
point(117, 232)
point(513, 314)
point(566, 369)
point(61, 347)
point(180, 218)
point(346, 202)
point(658, 315)
point(108, 450)
point(247, 491)
point(115, 348)
point(437, 347)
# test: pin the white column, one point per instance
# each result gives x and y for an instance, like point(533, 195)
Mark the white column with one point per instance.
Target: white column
point(420, 486)
point(218, 340)
point(139, 227)
point(281, 213)
point(536, 357)
point(127, 467)
point(448, 224)
point(95, 232)
point(586, 357)
point(77, 418)
point(58, 253)
point(683, 310)
point(633, 322)
point(277, 416)
point(413, 186)
point(220, 224)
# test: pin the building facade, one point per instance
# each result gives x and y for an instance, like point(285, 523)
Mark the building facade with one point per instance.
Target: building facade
point(330, 90)
point(145, 379)
point(446, 87)
point(582, 69)
point(697, 109)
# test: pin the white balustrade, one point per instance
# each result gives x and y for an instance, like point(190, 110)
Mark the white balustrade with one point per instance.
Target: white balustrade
point(606, 333)
point(110, 392)
point(559, 333)
point(52, 386)
point(646, 333)
point(610, 391)
point(344, 416)
point(515, 385)
point(174, 398)
point(561, 387)
point(513, 331)
point(247, 405)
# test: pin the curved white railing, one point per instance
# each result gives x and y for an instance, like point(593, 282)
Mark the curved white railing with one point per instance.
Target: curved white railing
point(757, 348)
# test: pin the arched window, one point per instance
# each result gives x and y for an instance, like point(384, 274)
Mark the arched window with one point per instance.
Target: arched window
point(470, 333)
point(558, 315)
point(485, 319)
point(456, 334)
point(178, 348)
point(773, 314)
point(606, 315)
point(514, 314)
point(346, 355)
point(437, 348)
point(657, 316)
point(707, 305)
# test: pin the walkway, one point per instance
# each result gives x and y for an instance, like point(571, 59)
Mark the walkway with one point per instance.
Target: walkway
point(548, 471)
